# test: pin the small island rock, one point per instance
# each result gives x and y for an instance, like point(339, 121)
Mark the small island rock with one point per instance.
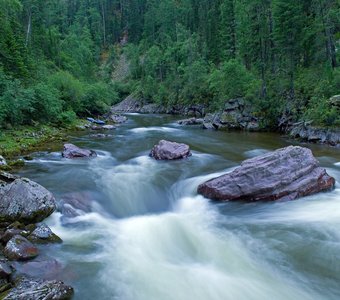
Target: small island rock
point(166, 150)
point(72, 151)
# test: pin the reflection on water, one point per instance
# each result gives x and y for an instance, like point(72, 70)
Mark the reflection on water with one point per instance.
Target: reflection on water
point(140, 231)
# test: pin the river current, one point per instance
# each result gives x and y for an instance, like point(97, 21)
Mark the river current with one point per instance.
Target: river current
point(141, 232)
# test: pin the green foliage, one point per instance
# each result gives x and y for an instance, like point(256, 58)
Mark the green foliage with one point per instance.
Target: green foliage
point(280, 55)
point(231, 80)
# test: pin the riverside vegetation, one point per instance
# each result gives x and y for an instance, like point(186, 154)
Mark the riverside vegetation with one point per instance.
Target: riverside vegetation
point(60, 60)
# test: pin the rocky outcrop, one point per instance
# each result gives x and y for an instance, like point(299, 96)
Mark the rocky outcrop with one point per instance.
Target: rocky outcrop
point(32, 289)
point(235, 115)
point(71, 151)
point(132, 104)
point(24, 200)
point(285, 174)
point(190, 122)
point(166, 150)
point(128, 105)
point(305, 132)
point(19, 248)
point(335, 101)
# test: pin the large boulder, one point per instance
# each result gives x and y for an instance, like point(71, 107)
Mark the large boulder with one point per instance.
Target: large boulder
point(24, 200)
point(19, 248)
point(166, 150)
point(72, 151)
point(285, 174)
point(32, 289)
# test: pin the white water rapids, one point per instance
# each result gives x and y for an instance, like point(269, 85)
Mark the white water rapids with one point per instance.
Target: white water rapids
point(149, 236)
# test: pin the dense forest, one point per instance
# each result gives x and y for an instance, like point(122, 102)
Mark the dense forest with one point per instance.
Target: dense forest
point(57, 57)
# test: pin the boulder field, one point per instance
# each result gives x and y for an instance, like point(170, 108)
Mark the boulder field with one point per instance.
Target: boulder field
point(285, 174)
point(22, 204)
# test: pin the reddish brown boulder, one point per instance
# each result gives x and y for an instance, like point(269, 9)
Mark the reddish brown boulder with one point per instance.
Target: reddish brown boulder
point(284, 174)
point(19, 248)
point(72, 151)
point(166, 150)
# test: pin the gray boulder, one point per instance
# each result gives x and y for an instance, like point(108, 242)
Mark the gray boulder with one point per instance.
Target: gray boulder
point(71, 151)
point(43, 234)
point(117, 118)
point(191, 121)
point(108, 127)
point(284, 174)
point(24, 200)
point(19, 248)
point(166, 150)
point(33, 289)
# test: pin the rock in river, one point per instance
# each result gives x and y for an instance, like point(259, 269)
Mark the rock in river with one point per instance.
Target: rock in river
point(24, 200)
point(32, 289)
point(72, 151)
point(284, 174)
point(19, 248)
point(43, 234)
point(166, 150)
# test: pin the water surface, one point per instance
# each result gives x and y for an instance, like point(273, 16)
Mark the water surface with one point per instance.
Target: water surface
point(143, 233)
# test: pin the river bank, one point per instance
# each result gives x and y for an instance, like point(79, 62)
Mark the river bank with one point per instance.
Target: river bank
point(236, 115)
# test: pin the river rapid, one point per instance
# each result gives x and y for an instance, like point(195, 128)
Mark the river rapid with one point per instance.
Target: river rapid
point(141, 232)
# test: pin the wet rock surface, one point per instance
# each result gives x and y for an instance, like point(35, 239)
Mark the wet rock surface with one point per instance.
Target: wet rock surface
point(285, 174)
point(190, 121)
point(19, 248)
point(27, 288)
point(43, 234)
point(308, 133)
point(24, 200)
point(166, 150)
point(71, 151)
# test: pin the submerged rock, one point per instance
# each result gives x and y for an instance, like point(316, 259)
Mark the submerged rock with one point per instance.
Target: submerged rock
point(32, 289)
point(166, 150)
point(19, 248)
point(284, 174)
point(45, 267)
point(43, 234)
point(5, 270)
point(72, 151)
point(24, 200)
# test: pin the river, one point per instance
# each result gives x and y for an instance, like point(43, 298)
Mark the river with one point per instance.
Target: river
point(143, 233)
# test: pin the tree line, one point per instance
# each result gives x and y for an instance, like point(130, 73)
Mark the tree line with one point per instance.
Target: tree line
point(281, 56)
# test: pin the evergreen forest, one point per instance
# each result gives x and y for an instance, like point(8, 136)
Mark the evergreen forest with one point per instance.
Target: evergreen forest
point(63, 59)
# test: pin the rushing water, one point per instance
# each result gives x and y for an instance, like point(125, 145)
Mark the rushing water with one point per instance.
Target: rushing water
point(142, 232)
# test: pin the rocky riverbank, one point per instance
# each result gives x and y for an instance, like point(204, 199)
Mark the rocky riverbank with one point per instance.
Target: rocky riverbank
point(24, 204)
point(305, 132)
point(235, 115)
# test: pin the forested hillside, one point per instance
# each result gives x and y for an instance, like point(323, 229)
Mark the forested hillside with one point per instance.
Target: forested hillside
point(281, 56)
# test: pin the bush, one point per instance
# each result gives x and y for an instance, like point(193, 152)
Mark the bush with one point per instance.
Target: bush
point(99, 97)
point(67, 117)
point(71, 90)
